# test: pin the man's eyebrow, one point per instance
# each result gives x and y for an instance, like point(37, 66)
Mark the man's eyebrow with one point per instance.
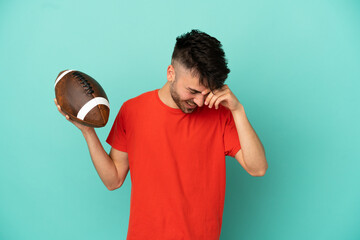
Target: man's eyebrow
point(194, 90)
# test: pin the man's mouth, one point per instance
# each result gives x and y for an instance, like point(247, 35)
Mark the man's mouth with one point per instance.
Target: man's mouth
point(192, 105)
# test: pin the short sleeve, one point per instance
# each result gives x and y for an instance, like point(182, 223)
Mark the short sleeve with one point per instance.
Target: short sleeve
point(117, 135)
point(231, 137)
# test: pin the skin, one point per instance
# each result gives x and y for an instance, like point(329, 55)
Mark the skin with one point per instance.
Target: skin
point(113, 167)
point(182, 91)
point(183, 86)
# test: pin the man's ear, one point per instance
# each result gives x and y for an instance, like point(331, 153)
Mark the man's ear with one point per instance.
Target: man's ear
point(170, 73)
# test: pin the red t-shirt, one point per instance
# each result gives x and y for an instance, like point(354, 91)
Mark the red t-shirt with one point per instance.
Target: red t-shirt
point(177, 167)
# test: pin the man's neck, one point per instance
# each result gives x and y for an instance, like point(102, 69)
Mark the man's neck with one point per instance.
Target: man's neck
point(165, 96)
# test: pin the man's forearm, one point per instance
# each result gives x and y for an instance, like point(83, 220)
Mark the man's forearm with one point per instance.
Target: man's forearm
point(104, 165)
point(252, 148)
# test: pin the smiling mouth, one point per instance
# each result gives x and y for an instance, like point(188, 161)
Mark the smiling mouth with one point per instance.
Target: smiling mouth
point(192, 105)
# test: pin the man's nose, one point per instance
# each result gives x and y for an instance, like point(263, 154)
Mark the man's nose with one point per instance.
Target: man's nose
point(199, 100)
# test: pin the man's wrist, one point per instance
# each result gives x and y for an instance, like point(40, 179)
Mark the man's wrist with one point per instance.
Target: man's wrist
point(239, 109)
point(87, 131)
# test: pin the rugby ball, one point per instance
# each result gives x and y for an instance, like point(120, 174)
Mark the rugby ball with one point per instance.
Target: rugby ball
point(82, 98)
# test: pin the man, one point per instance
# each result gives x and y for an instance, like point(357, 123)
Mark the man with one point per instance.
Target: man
point(174, 141)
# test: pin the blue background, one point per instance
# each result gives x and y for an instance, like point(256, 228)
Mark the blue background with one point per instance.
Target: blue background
point(295, 66)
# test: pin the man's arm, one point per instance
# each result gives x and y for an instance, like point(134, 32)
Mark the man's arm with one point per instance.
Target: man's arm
point(112, 168)
point(251, 156)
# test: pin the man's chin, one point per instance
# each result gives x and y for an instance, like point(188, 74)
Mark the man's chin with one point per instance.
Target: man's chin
point(185, 108)
point(188, 110)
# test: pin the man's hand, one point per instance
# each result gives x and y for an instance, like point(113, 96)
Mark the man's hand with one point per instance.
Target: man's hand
point(83, 128)
point(223, 96)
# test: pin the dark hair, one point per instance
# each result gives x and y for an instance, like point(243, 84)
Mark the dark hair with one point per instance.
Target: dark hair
point(204, 55)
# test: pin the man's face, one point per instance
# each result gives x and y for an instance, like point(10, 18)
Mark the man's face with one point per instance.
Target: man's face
point(186, 90)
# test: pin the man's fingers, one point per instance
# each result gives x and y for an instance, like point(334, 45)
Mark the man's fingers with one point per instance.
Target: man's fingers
point(212, 101)
point(219, 100)
point(59, 108)
point(57, 105)
point(65, 115)
point(208, 98)
point(214, 97)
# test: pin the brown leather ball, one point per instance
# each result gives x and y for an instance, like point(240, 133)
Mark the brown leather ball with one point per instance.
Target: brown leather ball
point(82, 98)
